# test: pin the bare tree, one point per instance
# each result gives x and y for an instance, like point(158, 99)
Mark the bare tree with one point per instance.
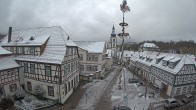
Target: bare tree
point(124, 8)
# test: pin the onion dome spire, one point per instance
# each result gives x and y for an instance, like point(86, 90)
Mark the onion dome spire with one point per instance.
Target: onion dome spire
point(113, 34)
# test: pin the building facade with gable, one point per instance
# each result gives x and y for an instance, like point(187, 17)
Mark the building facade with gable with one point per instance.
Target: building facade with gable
point(92, 59)
point(148, 47)
point(9, 74)
point(175, 74)
point(48, 57)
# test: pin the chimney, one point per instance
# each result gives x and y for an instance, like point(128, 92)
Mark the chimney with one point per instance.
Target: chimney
point(9, 34)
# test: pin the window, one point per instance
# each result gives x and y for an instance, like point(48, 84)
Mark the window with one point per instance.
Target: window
point(67, 51)
point(95, 68)
point(164, 63)
point(81, 67)
point(171, 65)
point(71, 51)
point(88, 57)
point(50, 90)
point(47, 71)
point(93, 57)
point(29, 86)
point(89, 68)
point(72, 85)
point(178, 91)
point(189, 89)
point(65, 88)
point(32, 50)
point(13, 87)
point(69, 88)
point(9, 73)
point(81, 57)
point(17, 49)
point(114, 40)
point(32, 68)
point(68, 67)
point(184, 90)
point(72, 66)
point(77, 79)
point(25, 67)
point(96, 57)
point(75, 52)
point(65, 69)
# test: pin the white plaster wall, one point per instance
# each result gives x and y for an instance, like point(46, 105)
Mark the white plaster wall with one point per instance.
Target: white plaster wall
point(45, 87)
point(62, 89)
point(7, 89)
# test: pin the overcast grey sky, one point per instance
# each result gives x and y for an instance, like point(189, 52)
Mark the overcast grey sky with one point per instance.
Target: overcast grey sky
point(93, 19)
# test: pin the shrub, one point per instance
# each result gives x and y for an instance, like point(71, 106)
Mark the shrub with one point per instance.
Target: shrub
point(20, 93)
point(39, 92)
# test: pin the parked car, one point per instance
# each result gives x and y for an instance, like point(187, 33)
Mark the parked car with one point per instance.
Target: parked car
point(133, 81)
point(157, 87)
point(171, 102)
point(140, 95)
point(188, 98)
point(141, 83)
point(121, 108)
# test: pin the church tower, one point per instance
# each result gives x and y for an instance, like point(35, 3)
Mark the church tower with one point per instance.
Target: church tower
point(113, 39)
point(113, 42)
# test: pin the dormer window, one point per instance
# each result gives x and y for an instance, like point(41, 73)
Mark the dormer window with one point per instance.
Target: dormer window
point(147, 59)
point(32, 38)
point(165, 63)
point(171, 65)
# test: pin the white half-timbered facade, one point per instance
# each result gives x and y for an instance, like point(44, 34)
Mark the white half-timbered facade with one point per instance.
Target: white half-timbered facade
point(48, 57)
point(173, 73)
point(9, 74)
point(92, 58)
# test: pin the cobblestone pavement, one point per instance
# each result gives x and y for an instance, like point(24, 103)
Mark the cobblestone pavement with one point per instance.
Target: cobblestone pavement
point(104, 102)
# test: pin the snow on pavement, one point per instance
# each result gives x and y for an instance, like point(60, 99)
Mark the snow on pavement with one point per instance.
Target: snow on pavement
point(93, 92)
point(129, 96)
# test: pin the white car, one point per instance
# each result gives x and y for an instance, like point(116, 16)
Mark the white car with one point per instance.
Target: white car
point(188, 98)
point(171, 102)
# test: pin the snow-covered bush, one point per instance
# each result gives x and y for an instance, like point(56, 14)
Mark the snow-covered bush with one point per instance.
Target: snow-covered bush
point(39, 91)
point(20, 93)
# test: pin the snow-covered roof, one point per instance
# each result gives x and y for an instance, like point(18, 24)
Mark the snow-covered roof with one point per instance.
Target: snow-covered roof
point(91, 46)
point(175, 59)
point(126, 53)
point(55, 49)
point(149, 57)
point(7, 62)
point(181, 58)
point(4, 52)
point(149, 45)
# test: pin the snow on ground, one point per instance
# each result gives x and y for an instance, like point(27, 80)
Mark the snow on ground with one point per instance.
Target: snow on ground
point(130, 96)
point(94, 92)
point(30, 102)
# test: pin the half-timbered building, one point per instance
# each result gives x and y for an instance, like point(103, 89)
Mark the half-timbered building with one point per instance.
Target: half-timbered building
point(92, 58)
point(48, 57)
point(173, 73)
point(9, 74)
